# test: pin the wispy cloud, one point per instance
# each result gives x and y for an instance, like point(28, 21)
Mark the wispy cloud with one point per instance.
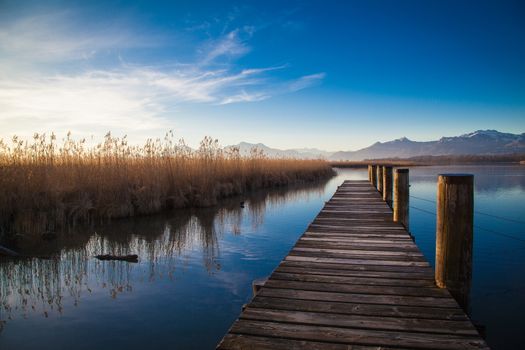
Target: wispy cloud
point(244, 97)
point(230, 45)
point(130, 98)
point(305, 82)
point(56, 37)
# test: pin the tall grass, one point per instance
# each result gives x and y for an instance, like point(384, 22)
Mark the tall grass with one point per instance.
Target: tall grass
point(46, 185)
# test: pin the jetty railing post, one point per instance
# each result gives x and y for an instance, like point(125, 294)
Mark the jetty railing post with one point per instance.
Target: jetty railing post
point(374, 175)
point(369, 173)
point(387, 185)
point(401, 197)
point(454, 235)
point(380, 178)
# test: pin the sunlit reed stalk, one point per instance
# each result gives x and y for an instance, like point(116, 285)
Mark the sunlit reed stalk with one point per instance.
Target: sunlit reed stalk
point(46, 185)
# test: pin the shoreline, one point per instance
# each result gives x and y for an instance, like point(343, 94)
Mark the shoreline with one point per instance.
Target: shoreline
point(361, 164)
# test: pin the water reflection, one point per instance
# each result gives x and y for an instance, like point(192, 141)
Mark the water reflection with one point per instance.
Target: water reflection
point(487, 179)
point(199, 265)
point(163, 243)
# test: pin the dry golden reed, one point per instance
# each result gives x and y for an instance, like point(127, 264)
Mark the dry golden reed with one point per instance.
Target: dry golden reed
point(46, 185)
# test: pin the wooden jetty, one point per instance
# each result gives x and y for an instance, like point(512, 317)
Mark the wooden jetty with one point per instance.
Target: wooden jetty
point(354, 280)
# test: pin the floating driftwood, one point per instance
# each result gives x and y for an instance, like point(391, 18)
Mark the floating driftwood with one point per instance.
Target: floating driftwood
point(128, 258)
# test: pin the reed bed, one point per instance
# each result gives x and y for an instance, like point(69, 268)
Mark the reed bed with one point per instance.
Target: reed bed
point(46, 185)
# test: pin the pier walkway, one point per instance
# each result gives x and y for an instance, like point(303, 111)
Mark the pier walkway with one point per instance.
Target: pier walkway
point(354, 280)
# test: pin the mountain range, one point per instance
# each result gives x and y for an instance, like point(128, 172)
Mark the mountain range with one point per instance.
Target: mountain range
point(481, 142)
point(301, 153)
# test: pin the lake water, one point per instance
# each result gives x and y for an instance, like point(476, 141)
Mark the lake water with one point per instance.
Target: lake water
point(196, 267)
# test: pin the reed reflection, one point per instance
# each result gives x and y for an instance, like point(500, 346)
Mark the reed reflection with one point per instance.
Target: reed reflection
point(164, 243)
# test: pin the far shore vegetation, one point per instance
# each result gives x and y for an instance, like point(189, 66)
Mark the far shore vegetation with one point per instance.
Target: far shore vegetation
point(46, 185)
point(517, 158)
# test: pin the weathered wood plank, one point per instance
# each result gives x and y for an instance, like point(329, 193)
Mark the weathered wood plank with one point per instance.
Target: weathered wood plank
point(396, 247)
point(357, 261)
point(363, 256)
point(356, 273)
point(361, 227)
point(358, 298)
point(373, 251)
point(374, 281)
point(250, 342)
point(346, 308)
point(365, 322)
point(353, 267)
point(358, 289)
point(359, 235)
point(357, 336)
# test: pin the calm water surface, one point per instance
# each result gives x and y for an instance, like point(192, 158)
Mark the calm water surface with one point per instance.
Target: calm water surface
point(196, 268)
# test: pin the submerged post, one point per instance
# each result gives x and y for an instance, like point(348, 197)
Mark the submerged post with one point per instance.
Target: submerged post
point(401, 193)
point(454, 233)
point(380, 178)
point(374, 175)
point(387, 185)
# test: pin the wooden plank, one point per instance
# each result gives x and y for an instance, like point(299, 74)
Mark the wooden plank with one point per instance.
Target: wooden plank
point(353, 273)
point(356, 223)
point(357, 261)
point(359, 235)
point(250, 342)
point(328, 255)
point(365, 322)
point(399, 247)
point(362, 226)
point(344, 218)
point(366, 250)
point(353, 267)
point(358, 289)
point(350, 238)
point(374, 281)
point(354, 229)
point(346, 308)
point(358, 298)
point(357, 336)
point(372, 251)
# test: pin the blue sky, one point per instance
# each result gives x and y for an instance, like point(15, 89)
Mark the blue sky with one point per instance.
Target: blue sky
point(336, 75)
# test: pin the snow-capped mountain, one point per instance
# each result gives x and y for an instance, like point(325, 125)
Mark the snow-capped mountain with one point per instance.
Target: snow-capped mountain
point(481, 142)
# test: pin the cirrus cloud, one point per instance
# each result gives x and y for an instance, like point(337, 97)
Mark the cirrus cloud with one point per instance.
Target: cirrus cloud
point(42, 88)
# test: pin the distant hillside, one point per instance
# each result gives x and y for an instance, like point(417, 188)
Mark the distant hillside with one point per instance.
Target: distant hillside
point(481, 142)
point(449, 159)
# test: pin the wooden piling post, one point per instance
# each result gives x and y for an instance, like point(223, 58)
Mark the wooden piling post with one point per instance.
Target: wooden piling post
point(387, 185)
point(258, 284)
point(370, 173)
point(454, 234)
point(374, 175)
point(380, 178)
point(401, 195)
